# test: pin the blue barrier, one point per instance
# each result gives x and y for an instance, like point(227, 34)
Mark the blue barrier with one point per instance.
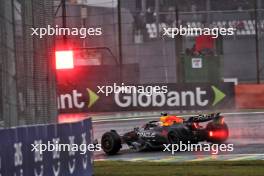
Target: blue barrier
point(18, 159)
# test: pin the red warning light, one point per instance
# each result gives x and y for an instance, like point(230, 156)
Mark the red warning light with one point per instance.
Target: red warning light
point(64, 59)
point(211, 134)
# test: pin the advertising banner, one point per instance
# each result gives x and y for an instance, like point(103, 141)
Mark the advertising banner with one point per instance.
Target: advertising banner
point(19, 159)
point(249, 96)
point(91, 98)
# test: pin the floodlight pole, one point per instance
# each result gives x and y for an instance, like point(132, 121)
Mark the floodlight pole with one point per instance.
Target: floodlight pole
point(64, 24)
point(178, 46)
point(63, 15)
point(257, 41)
point(120, 49)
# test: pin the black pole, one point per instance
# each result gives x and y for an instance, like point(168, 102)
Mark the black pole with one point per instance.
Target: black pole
point(64, 24)
point(178, 46)
point(176, 14)
point(120, 39)
point(257, 41)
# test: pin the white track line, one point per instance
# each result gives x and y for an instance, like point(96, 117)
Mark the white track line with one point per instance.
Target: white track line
point(187, 159)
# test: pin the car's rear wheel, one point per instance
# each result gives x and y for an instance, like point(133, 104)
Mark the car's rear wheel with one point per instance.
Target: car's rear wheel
point(111, 143)
point(217, 133)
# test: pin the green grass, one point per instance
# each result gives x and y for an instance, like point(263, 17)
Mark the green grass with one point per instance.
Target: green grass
point(215, 168)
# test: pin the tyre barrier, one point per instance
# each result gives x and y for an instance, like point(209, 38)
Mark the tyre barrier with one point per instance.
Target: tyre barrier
point(17, 157)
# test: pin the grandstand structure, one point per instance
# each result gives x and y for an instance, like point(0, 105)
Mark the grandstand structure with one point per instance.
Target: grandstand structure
point(243, 27)
point(150, 17)
point(196, 14)
point(143, 42)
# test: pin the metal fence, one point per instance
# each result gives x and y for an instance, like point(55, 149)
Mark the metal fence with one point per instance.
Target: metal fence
point(157, 54)
point(158, 57)
point(135, 40)
point(28, 79)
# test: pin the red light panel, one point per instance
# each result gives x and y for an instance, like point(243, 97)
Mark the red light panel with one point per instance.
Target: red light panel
point(211, 133)
point(64, 59)
point(218, 134)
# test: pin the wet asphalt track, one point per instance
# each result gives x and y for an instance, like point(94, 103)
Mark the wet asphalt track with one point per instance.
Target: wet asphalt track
point(246, 133)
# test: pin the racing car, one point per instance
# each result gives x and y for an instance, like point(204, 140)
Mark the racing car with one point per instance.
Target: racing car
point(170, 129)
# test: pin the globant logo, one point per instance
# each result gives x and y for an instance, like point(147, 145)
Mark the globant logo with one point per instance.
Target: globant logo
point(142, 96)
point(196, 97)
point(74, 99)
point(172, 98)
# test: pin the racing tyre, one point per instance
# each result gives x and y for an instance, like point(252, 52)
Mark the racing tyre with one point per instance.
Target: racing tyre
point(111, 143)
point(217, 133)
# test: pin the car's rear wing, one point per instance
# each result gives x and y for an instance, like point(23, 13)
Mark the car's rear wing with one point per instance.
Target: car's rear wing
point(204, 117)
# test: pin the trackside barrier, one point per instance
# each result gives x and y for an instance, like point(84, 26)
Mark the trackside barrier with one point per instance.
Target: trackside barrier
point(249, 96)
point(18, 159)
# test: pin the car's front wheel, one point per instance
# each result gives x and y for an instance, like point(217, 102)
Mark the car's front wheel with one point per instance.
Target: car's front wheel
point(111, 143)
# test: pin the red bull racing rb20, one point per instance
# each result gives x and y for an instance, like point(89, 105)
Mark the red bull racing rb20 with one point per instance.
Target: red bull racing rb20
point(170, 129)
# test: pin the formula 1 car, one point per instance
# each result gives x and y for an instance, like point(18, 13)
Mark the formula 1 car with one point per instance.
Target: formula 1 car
point(153, 135)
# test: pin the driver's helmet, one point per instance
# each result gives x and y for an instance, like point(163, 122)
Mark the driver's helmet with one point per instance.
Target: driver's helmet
point(164, 114)
point(163, 117)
